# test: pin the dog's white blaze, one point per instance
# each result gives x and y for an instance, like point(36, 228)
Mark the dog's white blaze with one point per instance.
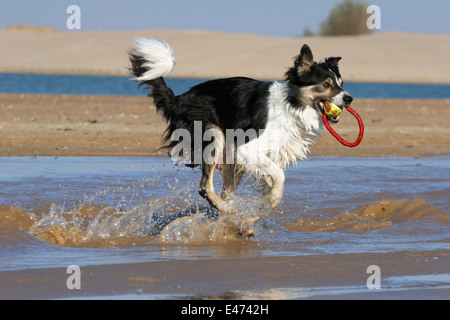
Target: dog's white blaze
point(159, 58)
point(339, 98)
point(287, 137)
point(336, 78)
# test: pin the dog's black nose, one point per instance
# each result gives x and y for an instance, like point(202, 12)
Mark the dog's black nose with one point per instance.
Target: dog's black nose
point(348, 99)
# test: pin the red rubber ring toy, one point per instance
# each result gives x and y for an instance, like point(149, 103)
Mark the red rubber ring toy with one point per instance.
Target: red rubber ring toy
point(338, 137)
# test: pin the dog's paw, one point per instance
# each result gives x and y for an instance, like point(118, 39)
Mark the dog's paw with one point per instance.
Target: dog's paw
point(246, 234)
point(274, 198)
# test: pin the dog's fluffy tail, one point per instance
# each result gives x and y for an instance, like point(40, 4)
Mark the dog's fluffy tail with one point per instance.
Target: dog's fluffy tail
point(151, 60)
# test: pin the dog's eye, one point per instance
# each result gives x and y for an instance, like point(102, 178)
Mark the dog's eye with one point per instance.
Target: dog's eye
point(326, 84)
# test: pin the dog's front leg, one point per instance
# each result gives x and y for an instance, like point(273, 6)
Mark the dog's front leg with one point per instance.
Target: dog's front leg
point(273, 175)
point(277, 177)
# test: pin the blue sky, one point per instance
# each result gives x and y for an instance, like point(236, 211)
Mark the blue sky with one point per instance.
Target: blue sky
point(276, 18)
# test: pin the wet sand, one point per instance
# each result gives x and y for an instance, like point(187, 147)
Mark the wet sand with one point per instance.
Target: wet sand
point(252, 278)
point(59, 125)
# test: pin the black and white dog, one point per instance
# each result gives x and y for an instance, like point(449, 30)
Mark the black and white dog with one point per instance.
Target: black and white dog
point(245, 125)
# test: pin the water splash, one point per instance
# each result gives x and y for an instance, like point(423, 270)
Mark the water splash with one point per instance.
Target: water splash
point(180, 216)
point(160, 220)
point(156, 210)
point(381, 214)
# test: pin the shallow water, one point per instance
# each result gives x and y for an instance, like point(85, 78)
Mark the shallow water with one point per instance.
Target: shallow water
point(55, 212)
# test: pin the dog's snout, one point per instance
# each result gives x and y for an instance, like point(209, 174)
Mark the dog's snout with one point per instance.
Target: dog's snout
point(347, 99)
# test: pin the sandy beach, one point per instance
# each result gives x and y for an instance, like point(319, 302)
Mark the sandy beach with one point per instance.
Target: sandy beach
point(38, 125)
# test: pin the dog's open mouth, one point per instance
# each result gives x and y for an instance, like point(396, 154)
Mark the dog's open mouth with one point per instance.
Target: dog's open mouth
point(325, 108)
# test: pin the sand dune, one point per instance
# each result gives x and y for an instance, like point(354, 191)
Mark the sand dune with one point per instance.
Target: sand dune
point(391, 57)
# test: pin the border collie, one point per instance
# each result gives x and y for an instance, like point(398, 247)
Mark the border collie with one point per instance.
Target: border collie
point(253, 126)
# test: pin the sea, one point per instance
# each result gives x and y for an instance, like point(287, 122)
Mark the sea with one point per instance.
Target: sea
point(123, 86)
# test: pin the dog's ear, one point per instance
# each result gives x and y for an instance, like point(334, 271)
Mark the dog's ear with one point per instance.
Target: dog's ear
point(305, 60)
point(332, 62)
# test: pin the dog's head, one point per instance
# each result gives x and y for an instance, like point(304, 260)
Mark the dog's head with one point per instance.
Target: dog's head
point(311, 83)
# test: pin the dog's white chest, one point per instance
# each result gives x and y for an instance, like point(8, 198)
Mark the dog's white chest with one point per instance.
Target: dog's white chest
point(288, 134)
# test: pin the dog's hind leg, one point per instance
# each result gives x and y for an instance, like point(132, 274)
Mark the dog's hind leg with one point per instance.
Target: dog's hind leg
point(232, 176)
point(277, 182)
point(206, 189)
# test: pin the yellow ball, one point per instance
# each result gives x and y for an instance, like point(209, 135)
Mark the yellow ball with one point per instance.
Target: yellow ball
point(331, 109)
